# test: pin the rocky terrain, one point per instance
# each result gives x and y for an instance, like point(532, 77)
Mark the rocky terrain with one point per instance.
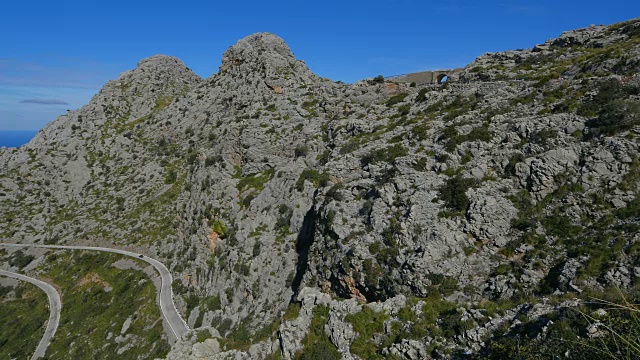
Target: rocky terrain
point(304, 218)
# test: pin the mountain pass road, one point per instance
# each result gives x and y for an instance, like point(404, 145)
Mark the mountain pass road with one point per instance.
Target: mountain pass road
point(172, 317)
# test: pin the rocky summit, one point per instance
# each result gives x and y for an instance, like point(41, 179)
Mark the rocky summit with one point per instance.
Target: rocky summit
point(494, 215)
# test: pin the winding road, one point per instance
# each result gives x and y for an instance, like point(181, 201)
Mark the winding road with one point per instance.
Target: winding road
point(54, 310)
point(171, 316)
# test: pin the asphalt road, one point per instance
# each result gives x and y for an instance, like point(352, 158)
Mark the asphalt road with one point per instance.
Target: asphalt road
point(54, 310)
point(177, 326)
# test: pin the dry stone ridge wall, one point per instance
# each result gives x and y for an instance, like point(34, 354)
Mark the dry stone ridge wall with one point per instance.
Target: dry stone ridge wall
point(427, 77)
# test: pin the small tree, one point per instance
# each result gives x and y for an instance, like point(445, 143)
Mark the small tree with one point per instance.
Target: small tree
point(378, 79)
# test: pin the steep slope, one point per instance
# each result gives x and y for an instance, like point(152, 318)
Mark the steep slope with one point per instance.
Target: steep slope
point(453, 210)
point(79, 174)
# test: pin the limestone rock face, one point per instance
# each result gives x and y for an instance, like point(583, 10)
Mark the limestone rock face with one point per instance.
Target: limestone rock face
point(267, 189)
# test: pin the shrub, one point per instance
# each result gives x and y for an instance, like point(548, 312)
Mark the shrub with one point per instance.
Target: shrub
point(203, 335)
point(313, 176)
point(284, 219)
point(421, 164)
point(20, 259)
point(366, 323)
point(422, 95)
point(256, 180)
point(510, 168)
point(171, 176)
point(543, 136)
point(565, 332)
point(453, 192)
point(335, 193)
point(387, 155)
point(256, 248)
point(611, 110)
point(398, 98)
point(452, 138)
point(378, 80)
point(317, 345)
point(404, 109)
point(218, 227)
point(301, 150)
point(212, 303)
point(419, 131)
point(292, 313)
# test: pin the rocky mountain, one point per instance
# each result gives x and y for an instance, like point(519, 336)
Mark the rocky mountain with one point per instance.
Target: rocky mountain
point(304, 218)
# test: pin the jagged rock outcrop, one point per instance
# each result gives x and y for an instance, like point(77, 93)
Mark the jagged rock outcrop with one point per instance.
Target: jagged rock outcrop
point(266, 186)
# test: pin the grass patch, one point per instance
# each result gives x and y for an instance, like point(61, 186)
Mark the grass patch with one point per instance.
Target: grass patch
point(317, 345)
point(366, 323)
point(23, 313)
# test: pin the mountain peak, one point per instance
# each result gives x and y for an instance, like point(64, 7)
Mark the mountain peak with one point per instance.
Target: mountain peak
point(160, 60)
point(158, 70)
point(260, 48)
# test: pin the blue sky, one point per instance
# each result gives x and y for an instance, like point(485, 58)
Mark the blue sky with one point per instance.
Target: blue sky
point(55, 55)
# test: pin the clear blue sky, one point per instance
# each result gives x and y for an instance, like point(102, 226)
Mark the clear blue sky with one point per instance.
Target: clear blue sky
point(54, 55)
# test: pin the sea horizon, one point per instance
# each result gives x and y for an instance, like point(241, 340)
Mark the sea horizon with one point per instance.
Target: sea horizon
point(16, 138)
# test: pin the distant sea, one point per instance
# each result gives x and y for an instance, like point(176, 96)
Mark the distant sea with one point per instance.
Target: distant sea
point(15, 138)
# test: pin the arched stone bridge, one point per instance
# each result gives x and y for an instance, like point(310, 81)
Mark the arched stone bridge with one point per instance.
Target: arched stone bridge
point(427, 77)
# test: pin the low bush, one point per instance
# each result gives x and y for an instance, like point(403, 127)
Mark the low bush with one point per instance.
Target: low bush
point(453, 192)
point(611, 110)
point(314, 176)
point(395, 99)
point(386, 155)
point(366, 323)
point(317, 345)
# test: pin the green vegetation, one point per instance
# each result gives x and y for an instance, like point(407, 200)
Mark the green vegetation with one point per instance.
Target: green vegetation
point(437, 319)
point(420, 164)
point(453, 193)
point(302, 150)
point(599, 240)
point(422, 95)
point(98, 299)
point(377, 80)
point(395, 99)
point(211, 303)
point(240, 337)
point(452, 138)
point(23, 318)
point(366, 323)
point(292, 313)
point(613, 317)
point(203, 335)
point(313, 176)
point(611, 109)
point(317, 345)
point(385, 155)
point(19, 259)
point(310, 106)
point(256, 182)
point(157, 214)
point(445, 285)
point(459, 106)
point(218, 227)
point(162, 102)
